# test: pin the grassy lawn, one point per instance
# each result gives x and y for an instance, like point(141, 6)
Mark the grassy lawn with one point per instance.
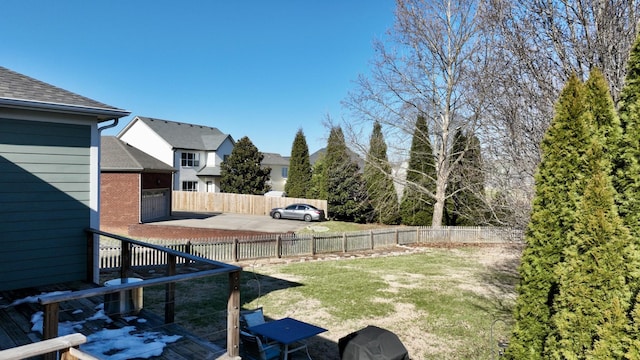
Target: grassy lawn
point(442, 303)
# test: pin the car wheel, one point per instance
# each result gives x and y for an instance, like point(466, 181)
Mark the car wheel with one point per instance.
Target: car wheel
point(307, 218)
point(276, 215)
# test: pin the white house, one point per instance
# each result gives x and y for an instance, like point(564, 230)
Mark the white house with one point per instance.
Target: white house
point(196, 151)
point(279, 170)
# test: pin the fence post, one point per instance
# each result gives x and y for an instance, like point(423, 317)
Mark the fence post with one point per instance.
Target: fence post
point(170, 292)
point(125, 257)
point(397, 237)
point(371, 239)
point(50, 326)
point(187, 249)
point(279, 246)
point(418, 234)
point(344, 242)
point(90, 257)
point(313, 245)
point(233, 315)
point(234, 250)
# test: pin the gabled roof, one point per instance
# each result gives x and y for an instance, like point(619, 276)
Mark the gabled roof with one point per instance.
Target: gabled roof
point(21, 91)
point(274, 159)
point(352, 155)
point(118, 156)
point(182, 135)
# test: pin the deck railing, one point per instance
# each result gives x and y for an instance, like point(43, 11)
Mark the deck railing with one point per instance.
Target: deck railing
point(263, 246)
point(125, 263)
point(67, 346)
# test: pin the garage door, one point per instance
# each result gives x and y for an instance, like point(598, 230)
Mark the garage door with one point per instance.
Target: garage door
point(155, 204)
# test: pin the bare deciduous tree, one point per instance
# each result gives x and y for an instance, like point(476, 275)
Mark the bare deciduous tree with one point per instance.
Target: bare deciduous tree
point(534, 47)
point(428, 74)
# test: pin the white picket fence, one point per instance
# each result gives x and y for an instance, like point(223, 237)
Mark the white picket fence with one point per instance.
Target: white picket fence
point(234, 249)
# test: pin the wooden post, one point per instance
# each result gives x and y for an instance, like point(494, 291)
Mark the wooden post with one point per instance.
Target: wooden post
point(90, 258)
point(170, 292)
point(371, 239)
point(313, 245)
point(187, 249)
point(397, 235)
point(234, 250)
point(279, 246)
point(50, 326)
point(344, 242)
point(233, 315)
point(125, 257)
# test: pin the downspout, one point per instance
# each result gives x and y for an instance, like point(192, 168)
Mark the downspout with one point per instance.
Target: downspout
point(114, 124)
point(96, 254)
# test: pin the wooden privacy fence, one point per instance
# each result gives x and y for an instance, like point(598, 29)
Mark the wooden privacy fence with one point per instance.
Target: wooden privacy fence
point(234, 203)
point(291, 245)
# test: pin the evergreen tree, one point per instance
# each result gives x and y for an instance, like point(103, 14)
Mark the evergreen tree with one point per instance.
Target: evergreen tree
point(464, 206)
point(627, 166)
point(630, 93)
point(346, 194)
point(379, 184)
point(558, 181)
point(318, 180)
point(593, 293)
point(416, 207)
point(299, 179)
point(242, 173)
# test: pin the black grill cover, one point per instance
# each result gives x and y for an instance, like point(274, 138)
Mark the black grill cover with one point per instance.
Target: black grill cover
point(372, 343)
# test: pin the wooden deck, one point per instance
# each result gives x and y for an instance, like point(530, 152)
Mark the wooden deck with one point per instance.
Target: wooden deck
point(86, 316)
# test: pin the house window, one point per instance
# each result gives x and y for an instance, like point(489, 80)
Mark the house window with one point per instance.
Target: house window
point(225, 158)
point(190, 159)
point(285, 172)
point(189, 186)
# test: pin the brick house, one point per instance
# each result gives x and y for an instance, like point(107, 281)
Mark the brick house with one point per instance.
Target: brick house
point(135, 187)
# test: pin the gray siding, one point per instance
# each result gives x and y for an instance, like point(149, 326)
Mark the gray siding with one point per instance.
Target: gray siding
point(44, 202)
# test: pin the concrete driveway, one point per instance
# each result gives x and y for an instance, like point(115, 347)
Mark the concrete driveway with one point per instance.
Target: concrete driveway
point(230, 221)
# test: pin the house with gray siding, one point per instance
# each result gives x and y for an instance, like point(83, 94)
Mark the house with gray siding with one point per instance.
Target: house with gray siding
point(195, 151)
point(49, 180)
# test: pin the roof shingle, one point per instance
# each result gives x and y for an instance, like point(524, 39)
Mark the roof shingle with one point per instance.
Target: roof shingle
point(116, 155)
point(16, 86)
point(186, 136)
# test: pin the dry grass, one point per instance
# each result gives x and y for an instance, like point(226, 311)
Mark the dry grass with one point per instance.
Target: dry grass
point(442, 303)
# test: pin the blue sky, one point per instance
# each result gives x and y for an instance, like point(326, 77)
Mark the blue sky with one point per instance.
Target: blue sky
point(260, 69)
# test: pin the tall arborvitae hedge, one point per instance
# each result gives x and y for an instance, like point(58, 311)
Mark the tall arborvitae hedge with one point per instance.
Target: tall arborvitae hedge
point(590, 310)
point(379, 183)
point(558, 179)
point(416, 206)
point(242, 173)
point(627, 166)
point(631, 91)
point(299, 176)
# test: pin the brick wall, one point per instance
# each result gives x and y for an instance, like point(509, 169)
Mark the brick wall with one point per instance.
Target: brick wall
point(120, 200)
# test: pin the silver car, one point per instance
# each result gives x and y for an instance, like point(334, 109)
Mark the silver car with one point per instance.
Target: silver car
point(304, 212)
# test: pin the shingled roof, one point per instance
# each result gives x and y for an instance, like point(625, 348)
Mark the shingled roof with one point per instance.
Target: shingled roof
point(116, 155)
point(21, 91)
point(184, 136)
